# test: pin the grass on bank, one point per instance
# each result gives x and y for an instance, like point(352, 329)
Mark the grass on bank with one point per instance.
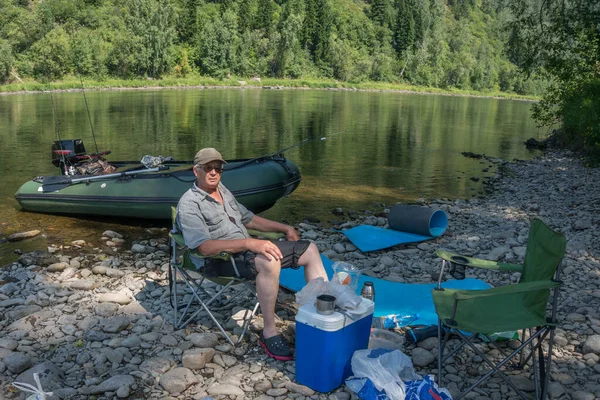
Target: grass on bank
point(72, 83)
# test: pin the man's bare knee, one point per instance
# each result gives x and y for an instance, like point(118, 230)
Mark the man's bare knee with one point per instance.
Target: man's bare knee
point(267, 267)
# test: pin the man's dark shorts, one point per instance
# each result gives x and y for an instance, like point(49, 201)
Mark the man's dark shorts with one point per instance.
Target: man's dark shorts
point(244, 261)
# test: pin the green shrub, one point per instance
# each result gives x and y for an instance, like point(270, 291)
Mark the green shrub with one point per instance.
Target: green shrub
point(51, 56)
point(581, 115)
point(6, 60)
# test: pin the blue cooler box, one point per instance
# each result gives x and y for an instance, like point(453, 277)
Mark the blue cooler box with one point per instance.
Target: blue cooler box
point(325, 344)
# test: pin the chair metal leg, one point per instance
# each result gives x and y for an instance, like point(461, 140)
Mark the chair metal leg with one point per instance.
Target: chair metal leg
point(440, 352)
point(247, 322)
point(534, 364)
point(495, 368)
point(545, 370)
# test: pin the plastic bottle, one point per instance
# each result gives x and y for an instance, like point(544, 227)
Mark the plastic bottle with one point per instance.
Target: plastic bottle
point(368, 291)
point(404, 320)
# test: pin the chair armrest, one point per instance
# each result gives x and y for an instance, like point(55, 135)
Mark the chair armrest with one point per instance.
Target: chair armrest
point(477, 262)
point(505, 290)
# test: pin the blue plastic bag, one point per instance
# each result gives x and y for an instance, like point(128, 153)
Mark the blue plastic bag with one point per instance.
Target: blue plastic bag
point(424, 389)
point(382, 374)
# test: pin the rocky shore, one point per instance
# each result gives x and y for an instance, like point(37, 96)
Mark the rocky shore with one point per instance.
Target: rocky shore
point(99, 325)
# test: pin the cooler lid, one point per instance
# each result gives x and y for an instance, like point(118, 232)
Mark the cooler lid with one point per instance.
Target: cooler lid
point(307, 314)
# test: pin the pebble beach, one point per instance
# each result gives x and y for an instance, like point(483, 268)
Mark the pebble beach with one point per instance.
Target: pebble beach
point(96, 322)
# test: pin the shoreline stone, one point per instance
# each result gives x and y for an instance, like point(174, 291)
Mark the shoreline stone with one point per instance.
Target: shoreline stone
point(102, 323)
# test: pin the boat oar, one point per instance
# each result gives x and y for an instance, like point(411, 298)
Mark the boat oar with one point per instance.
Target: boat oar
point(278, 152)
point(54, 183)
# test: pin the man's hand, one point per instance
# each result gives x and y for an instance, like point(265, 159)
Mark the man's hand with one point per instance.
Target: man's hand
point(291, 234)
point(266, 248)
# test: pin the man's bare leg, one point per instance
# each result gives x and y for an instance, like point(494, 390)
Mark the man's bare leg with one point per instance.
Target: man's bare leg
point(267, 286)
point(313, 265)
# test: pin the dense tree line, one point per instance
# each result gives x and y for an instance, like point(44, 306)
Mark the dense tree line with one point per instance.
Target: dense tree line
point(441, 43)
point(561, 39)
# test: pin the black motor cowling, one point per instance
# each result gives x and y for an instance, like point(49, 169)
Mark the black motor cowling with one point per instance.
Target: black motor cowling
point(67, 151)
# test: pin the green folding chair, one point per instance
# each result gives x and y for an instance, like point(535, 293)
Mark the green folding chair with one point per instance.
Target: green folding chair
point(517, 307)
point(181, 268)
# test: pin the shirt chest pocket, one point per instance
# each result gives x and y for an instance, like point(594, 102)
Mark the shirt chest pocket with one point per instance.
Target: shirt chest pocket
point(214, 222)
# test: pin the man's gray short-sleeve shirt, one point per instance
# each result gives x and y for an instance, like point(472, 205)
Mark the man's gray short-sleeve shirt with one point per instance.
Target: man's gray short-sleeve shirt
point(202, 218)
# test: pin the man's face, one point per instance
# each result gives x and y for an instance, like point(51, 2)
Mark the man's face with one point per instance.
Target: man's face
point(208, 175)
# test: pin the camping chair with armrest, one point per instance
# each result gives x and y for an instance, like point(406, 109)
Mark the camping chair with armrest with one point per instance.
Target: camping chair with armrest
point(182, 266)
point(521, 306)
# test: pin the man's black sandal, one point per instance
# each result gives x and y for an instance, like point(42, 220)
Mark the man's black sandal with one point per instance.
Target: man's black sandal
point(276, 347)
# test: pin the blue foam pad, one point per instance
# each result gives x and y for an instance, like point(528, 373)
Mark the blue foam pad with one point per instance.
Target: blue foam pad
point(370, 238)
point(391, 298)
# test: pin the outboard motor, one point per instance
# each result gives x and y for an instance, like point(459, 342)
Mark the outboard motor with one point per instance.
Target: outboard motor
point(66, 153)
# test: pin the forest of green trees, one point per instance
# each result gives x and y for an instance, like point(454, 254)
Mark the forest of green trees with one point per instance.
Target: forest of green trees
point(438, 43)
point(548, 48)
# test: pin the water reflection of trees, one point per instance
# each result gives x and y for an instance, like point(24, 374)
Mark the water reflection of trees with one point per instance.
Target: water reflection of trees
point(374, 139)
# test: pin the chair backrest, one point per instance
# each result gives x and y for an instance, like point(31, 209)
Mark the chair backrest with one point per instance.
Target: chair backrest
point(545, 251)
point(544, 254)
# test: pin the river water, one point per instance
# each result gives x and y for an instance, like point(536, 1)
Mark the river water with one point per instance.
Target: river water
point(380, 147)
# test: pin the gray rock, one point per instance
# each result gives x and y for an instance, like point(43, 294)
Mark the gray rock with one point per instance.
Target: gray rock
point(592, 345)
point(12, 302)
point(226, 390)
point(157, 366)
point(106, 309)
point(114, 324)
point(581, 395)
point(22, 311)
point(169, 340)
point(112, 234)
point(131, 342)
point(555, 390)
point(138, 248)
point(99, 269)
point(523, 383)
point(115, 273)
point(498, 253)
point(113, 383)
point(17, 362)
point(197, 358)
point(57, 267)
point(51, 376)
point(301, 389)
point(96, 336)
point(23, 235)
point(203, 340)
point(310, 235)
point(83, 284)
point(123, 392)
point(119, 298)
point(9, 344)
point(150, 336)
point(422, 357)
point(179, 379)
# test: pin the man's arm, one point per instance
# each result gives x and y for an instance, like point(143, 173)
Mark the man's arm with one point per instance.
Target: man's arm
point(266, 225)
point(264, 247)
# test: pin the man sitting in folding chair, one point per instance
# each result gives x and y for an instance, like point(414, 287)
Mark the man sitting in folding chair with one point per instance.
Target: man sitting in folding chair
point(212, 221)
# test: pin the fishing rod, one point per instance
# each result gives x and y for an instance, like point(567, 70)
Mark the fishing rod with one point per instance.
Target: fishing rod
point(57, 130)
point(88, 113)
point(277, 153)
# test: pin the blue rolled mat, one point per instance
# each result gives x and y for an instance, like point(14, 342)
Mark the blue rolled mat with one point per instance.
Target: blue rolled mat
point(407, 224)
point(391, 298)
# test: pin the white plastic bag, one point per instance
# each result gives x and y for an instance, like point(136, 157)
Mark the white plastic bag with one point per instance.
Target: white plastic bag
point(386, 369)
point(345, 297)
point(38, 392)
point(309, 293)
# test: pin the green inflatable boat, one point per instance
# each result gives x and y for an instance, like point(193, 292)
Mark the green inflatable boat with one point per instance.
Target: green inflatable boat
point(131, 189)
